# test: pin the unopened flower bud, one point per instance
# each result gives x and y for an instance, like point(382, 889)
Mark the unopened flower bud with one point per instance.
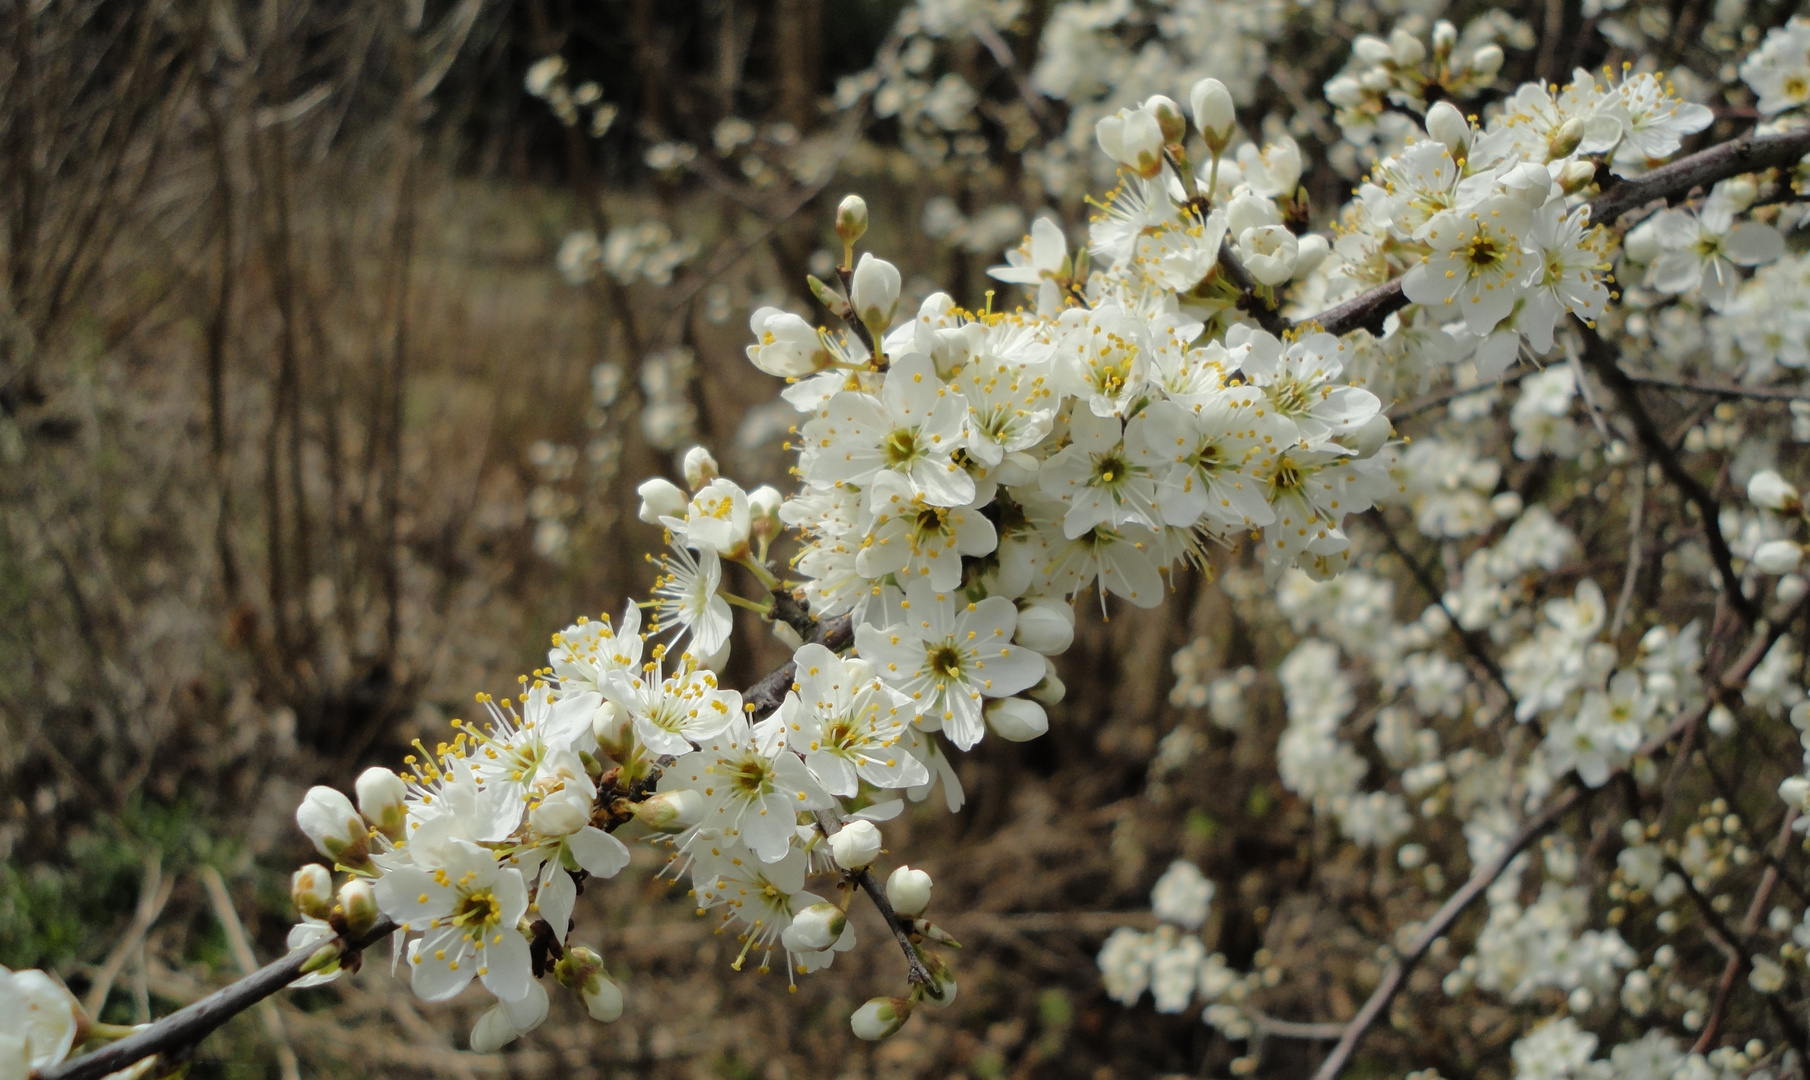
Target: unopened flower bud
point(941, 989)
point(1017, 719)
point(1566, 139)
point(1045, 625)
point(1447, 125)
point(1575, 176)
point(1721, 720)
point(1406, 49)
point(1445, 35)
point(880, 1017)
point(311, 889)
point(1487, 60)
point(816, 927)
point(700, 468)
point(1311, 250)
point(1767, 489)
point(581, 969)
point(1051, 689)
point(560, 814)
point(1791, 588)
point(908, 891)
point(608, 723)
point(671, 811)
point(1777, 557)
point(1795, 791)
point(358, 903)
point(763, 512)
point(1370, 49)
point(874, 292)
point(660, 498)
point(1269, 253)
point(1215, 114)
point(856, 845)
point(334, 825)
point(851, 220)
point(382, 799)
point(1738, 193)
point(1169, 119)
point(1133, 138)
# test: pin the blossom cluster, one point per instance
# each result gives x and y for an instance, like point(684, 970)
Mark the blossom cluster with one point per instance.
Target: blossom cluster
point(964, 476)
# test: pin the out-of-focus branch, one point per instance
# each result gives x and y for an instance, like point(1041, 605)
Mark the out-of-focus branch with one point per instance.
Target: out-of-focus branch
point(1766, 634)
point(153, 893)
point(1750, 153)
point(1601, 358)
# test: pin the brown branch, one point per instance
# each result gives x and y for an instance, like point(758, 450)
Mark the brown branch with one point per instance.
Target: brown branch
point(1689, 386)
point(186, 1027)
point(1600, 356)
point(1747, 154)
point(1731, 681)
point(1749, 923)
point(1248, 300)
point(829, 823)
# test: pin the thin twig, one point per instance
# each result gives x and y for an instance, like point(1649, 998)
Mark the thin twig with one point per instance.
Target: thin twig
point(1750, 923)
point(1002, 55)
point(236, 941)
point(1601, 358)
point(153, 893)
point(1758, 393)
point(829, 822)
point(1442, 397)
point(1633, 572)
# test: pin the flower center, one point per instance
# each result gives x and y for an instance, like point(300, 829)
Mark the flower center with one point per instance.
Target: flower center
point(1291, 396)
point(1484, 253)
point(946, 662)
point(901, 447)
point(478, 910)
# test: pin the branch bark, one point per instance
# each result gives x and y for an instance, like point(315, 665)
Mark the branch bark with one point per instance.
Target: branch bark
point(184, 1028)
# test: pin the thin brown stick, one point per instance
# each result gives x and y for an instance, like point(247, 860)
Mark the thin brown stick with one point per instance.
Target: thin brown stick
point(1600, 356)
point(153, 893)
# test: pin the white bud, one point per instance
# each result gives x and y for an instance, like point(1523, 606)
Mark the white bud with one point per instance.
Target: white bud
point(1269, 253)
point(660, 498)
point(1345, 92)
point(1791, 588)
point(1311, 251)
point(382, 799)
point(1487, 61)
point(816, 927)
point(311, 889)
point(1721, 720)
point(1017, 719)
point(1370, 49)
point(1795, 791)
point(1447, 125)
point(603, 999)
point(1169, 119)
point(608, 722)
point(1566, 139)
point(851, 219)
point(880, 1018)
point(908, 891)
point(1132, 138)
point(1445, 35)
point(1215, 114)
point(1406, 49)
point(1769, 490)
point(764, 503)
point(1050, 690)
point(874, 292)
point(335, 827)
point(1248, 212)
point(856, 845)
point(561, 813)
point(358, 903)
point(1506, 505)
point(1777, 557)
point(1045, 625)
point(671, 811)
point(48, 1028)
point(700, 468)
